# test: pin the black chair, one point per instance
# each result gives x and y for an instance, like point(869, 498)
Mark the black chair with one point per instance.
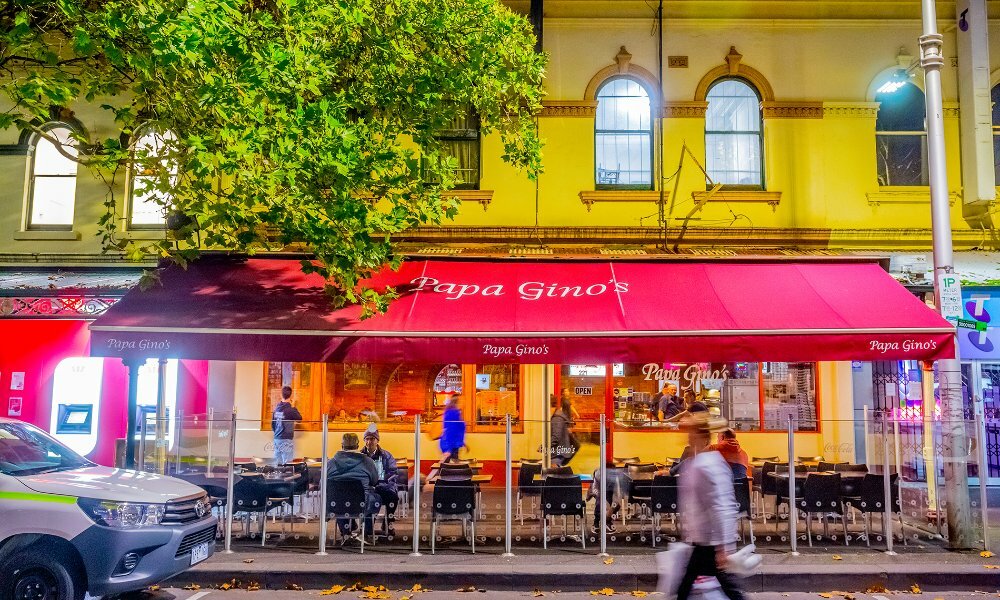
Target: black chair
point(252, 495)
point(821, 495)
point(403, 490)
point(300, 486)
point(828, 465)
point(346, 500)
point(845, 467)
point(663, 501)
point(562, 495)
point(456, 470)
point(527, 487)
point(741, 487)
point(557, 470)
point(768, 486)
point(639, 483)
point(871, 500)
point(454, 499)
point(773, 459)
point(629, 461)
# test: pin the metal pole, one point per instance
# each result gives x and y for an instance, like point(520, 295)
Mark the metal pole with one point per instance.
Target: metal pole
point(208, 442)
point(509, 493)
point(868, 456)
point(895, 438)
point(132, 365)
point(960, 530)
point(546, 424)
point(230, 483)
point(603, 490)
point(984, 473)
point(793, 515)
point(322, 487)
point(887, 488)
point(178, 431)
point(142, 444)
point(161, 416)
point(416, 487)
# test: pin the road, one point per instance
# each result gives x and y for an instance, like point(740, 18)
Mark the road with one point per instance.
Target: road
point(178, 594)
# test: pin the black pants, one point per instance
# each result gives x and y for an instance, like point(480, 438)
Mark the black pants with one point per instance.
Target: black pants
point(702, 562)
point(389, 497)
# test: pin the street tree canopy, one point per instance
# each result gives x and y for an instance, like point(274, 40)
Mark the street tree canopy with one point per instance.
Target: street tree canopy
point(277, 121)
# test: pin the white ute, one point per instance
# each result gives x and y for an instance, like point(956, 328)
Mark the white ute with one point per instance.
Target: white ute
point(68, 526)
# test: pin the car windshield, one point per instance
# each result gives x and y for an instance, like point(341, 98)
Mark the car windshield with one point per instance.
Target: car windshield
point(24, 450)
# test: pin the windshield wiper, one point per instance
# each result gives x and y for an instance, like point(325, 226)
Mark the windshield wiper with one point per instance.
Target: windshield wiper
point(42, 470)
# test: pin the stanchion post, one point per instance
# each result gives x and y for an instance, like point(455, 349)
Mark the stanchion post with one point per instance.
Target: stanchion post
point(208, 442)
point(142, 444)
point(868, 455)
point(230, 483)
point(509, 495)
point(984, 473)
point(602, 501)
point(322, 486)
point(177, 442)
point(887, 487)
point(416, 487)
point(793, 514)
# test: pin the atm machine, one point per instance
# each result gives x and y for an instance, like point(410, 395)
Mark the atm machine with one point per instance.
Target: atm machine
point(149, 376)
point(76, 402)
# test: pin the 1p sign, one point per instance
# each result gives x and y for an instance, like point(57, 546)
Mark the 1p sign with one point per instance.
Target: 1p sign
point(950, 290)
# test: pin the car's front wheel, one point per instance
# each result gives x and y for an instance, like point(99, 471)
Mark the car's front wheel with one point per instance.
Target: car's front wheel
point(40, 574)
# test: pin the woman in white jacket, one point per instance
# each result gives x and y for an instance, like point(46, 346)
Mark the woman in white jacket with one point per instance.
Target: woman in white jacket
point(708, 509)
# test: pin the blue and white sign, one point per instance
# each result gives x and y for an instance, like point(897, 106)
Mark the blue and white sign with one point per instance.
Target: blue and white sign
point(982, 307)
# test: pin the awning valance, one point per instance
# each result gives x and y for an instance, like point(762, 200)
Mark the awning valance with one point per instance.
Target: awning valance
point(531, 312)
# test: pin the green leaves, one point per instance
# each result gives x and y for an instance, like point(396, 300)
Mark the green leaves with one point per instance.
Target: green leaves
point(297, 122)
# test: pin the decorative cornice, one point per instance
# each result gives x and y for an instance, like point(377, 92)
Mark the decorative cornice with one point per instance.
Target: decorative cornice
point(60, 307)
point(569, 108)
point(774, 109)
point(734, 67)
point(483, 197)
point(906, 195)
point(589, 197)
point(856, 110)
point(685, 110)
point(736, 196)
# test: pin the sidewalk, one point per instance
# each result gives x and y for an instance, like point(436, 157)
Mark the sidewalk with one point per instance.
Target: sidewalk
point(853, 572)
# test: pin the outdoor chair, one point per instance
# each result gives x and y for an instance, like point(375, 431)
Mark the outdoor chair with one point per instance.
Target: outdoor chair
point(663, 501)
point(346, 501)
point(252, 496)
point(639, 484)
point(454, 499)
point(527, 487)
point(767, 486)
point(628, 461)
point(821, 495)
point(871, 500)
point(562, 495)
point(828, 466)
point(741, 487)
point(557, 470)
point(403, 490)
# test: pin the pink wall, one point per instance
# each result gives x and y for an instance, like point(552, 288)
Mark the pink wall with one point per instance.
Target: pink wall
point(36, 346)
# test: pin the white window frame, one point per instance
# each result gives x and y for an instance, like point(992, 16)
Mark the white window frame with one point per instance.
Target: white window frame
point(31, 188)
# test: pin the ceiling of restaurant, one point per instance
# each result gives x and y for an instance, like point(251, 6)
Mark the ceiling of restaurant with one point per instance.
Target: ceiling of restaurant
point(740, 9)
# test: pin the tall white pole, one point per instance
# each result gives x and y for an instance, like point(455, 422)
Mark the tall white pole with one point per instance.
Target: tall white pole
point(954, 442)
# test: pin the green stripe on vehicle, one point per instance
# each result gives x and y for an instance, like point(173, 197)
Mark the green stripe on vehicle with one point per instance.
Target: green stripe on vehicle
point(30, 497)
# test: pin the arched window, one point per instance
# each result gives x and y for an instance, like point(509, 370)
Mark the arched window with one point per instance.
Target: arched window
point(734, 135)
point(995, 95)
point(147, 205)
point(52, 181)
point(900, 134)
point(623, 135)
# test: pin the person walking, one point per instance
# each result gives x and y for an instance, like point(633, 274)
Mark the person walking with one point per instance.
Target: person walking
point(564, 444)
point(388, 476)
point(452, 430)
point(708, 509)
point(283, 426)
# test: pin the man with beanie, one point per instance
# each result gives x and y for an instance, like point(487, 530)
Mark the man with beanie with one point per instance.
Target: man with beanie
point(388, 476)
point(349, 464)
point(283, 425)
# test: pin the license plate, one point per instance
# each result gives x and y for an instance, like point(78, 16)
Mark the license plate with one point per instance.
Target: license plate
point(199, 553)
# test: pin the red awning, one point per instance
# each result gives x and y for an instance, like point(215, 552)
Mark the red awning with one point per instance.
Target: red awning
point(531, 312)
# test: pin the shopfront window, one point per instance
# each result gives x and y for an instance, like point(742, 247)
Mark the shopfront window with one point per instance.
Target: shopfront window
point(586, 386)
point(789, 393)
point(393, 394)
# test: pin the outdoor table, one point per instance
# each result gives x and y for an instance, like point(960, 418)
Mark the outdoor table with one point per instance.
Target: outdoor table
point(474, 465)
point(583, 478)
point(476, 479)
point(848, 480)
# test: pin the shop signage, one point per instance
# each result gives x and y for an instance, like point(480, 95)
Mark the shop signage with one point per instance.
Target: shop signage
point(950, 292)
point(583, 391)
point(528, 290)
point(969, 324)
point(688, 376)
point(14, 404)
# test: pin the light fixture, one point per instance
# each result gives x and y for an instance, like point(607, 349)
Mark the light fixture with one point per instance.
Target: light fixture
point(895, 83)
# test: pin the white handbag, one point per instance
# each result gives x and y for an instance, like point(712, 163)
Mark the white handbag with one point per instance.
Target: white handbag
point(670, 567)
point(743, 562)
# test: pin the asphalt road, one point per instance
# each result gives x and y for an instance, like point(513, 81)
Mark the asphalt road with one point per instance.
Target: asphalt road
point(179, 594)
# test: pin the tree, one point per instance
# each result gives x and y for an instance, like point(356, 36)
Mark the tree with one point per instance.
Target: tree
point(310, 121)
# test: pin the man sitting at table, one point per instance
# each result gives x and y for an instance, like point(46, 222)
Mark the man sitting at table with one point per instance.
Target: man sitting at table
point(388, 476)
point(349, 464)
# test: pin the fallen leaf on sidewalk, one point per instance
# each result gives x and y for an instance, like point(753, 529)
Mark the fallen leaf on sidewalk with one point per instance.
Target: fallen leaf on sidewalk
point(915, 589)
point(826, 595)
point(253, 586)
point(537, 594)
point(333, 590)
point(153, 588)
point(992, 566)
point(877, 588)
point(603, 592)
point(248, 560)
point(986, 554)
point(293, 586)
point(468, 588)
point(355, 587)
point(377, 595)
point(609, 560)
point(192, 587)
point(418, 588)
point(405, 597)
point(227, 586)
point(837, 557)
point(639, 594)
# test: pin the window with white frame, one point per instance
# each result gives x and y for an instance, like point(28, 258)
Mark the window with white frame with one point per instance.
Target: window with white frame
point(148, 205)
point(734, 135)
point(623, 136)
point(900, 134)
point(52, 181)
point(995, 95)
